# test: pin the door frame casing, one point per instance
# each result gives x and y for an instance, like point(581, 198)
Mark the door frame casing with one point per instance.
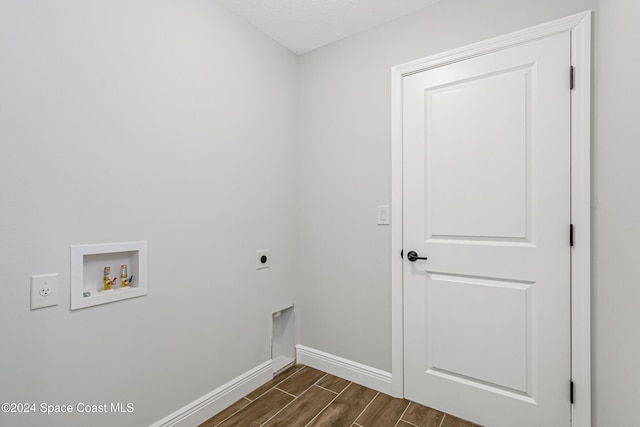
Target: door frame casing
point(579, 26)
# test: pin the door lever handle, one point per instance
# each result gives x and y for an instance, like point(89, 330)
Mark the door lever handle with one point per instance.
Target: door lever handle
point(413, 256)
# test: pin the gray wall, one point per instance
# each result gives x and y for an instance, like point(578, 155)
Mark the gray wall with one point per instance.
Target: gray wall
point(616, 200)
point(176, 123)
point(343, 293)
point(165, 121)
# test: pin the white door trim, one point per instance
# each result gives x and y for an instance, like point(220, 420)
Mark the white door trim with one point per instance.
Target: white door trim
point(579, 26)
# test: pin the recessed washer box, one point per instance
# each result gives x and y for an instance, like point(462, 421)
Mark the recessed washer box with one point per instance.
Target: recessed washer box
point(87, 272)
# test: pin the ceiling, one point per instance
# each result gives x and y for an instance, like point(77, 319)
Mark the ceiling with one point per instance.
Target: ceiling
point(304, 25)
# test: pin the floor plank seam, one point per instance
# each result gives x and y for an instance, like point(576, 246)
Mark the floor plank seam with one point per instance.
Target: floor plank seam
point(294, 398)
point(300, 368)
point(244, 407)
point(259, 396)
point(366, 407)
point(281, 409)
point(217, 424)
point(277, 384)
point(402, 415)
point(292, 395)
point(326, 406)
point(324, 388)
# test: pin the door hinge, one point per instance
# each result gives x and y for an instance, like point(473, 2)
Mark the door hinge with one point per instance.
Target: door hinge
point(570, 234)
point(572, 77)
point(402, 253)
point(571, 393)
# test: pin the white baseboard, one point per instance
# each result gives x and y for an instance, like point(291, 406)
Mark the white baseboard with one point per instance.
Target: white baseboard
point(347, 369)
point(210, 404)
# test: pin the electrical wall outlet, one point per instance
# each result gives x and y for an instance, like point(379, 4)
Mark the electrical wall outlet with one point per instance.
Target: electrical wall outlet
point(44, 290)
point(263, 259)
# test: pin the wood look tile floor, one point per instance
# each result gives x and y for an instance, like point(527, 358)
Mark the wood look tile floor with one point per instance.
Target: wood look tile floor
point(304, 396)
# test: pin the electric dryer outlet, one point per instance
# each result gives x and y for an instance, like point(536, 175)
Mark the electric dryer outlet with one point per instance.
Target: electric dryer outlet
point(263, 259)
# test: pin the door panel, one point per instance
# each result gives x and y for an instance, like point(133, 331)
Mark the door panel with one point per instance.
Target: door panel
point(486, 197)
point(463, 191)
point(493, 318)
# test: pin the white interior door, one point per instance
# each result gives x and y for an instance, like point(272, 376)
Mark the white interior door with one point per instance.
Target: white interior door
point(486, 198)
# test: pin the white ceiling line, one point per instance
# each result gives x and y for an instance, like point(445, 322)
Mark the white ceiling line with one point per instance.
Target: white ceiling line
point(305, 25)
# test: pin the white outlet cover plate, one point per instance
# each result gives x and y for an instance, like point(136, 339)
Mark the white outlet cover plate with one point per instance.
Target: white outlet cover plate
point(48, 284)
point(259, 255)
point(383, 215)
